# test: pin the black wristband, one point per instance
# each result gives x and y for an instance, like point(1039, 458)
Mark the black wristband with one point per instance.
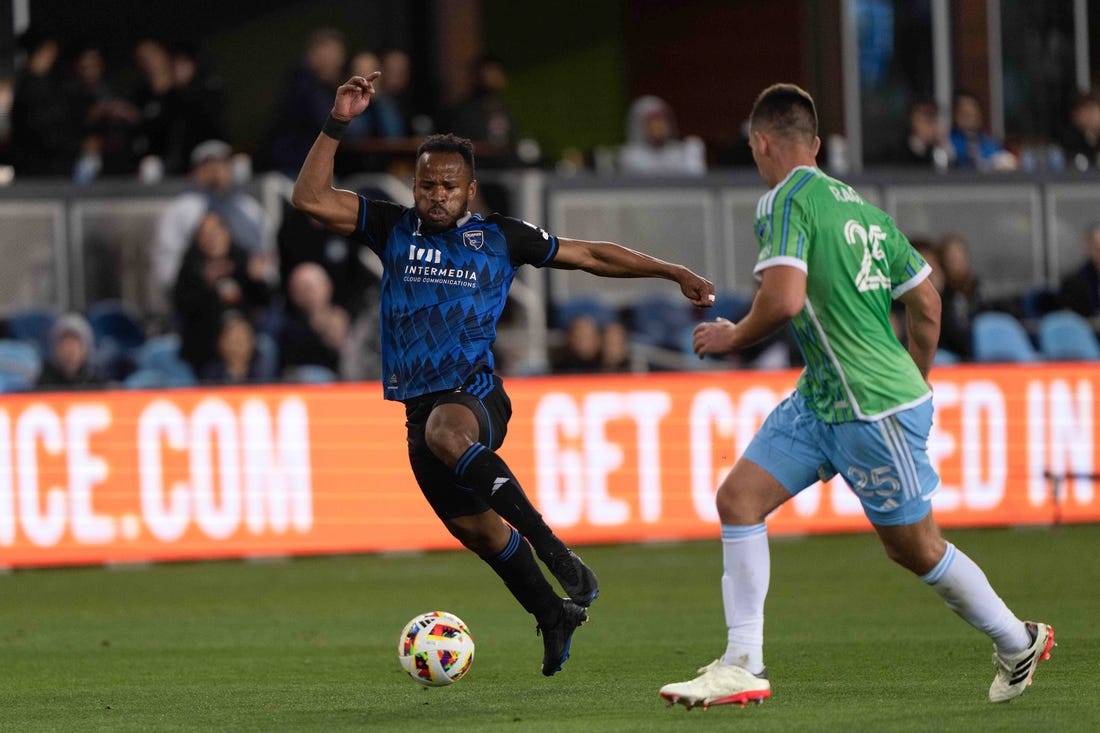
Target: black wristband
point(334, 128)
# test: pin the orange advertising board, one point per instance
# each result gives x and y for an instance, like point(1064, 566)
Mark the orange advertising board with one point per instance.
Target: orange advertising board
point(237, 472)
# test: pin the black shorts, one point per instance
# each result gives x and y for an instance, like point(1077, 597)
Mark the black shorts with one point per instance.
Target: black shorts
point(484, 395)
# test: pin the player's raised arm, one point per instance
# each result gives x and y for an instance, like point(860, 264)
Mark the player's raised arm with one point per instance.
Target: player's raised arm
point(607, 259)
point(313, 190)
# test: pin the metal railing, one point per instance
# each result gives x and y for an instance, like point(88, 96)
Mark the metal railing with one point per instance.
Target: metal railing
point(65, 246)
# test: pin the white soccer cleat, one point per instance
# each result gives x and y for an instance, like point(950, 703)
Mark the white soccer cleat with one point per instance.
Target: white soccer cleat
point(1014, 673)
point(719, 684)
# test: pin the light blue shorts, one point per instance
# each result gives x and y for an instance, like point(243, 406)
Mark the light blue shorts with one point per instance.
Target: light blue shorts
point(884, 462)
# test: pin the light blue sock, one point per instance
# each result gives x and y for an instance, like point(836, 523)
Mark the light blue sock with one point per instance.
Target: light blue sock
point(746, 571)
point(966, 591)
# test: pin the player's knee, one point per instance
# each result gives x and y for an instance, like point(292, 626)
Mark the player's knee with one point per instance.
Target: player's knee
point(448, 437)
point(916, 557)
point(479, 535)
point(446, 443)
point(736, 507)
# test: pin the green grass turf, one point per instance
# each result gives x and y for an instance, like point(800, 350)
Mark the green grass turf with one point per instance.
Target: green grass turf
point(853, 643)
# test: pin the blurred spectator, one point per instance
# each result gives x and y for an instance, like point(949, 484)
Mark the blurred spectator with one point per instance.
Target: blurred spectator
point(652, 143)
point(302, 238)
point(215, 191)
point(594, 342)
point(103, 123)
point(580, 353)
point(70, 364)
point(926, 142)
point(216, 275)
point(1080, 291)
point(615, 350)
point(7, 89)
point(484, 116)
point(40, 130)
point(237, 361)
point(306, 100)
point(737, 153)
point(396, 84)
point(974, 148)
point(201, 104)
point(960, 296)
point(381, 121)
point(382, 118)
point(1081, 139)
point(158, 103)
point(315, 330)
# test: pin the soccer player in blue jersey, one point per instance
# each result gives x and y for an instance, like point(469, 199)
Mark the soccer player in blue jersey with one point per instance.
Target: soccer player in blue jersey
point(446, 274)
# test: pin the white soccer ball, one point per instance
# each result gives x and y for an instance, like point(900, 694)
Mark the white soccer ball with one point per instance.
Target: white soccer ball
point(436, 648)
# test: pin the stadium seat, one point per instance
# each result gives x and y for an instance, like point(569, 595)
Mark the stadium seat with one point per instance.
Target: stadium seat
point(157, 379)
point(117, 321)
point(566, 312)
point(311, 374)
point(1067, 336)
point(118, 333)
point(161, 354)
point(999, 337)
point(20, 364)
point(945, 357)
point(33, 326)
point(158, 352)
point(145, 379)
point(660, 320)
point(731, 306)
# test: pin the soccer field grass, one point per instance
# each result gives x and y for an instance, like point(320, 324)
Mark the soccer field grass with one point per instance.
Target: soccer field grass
point(852, 643)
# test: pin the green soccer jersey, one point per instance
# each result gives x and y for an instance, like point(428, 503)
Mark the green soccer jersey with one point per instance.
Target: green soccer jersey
point(856, 263)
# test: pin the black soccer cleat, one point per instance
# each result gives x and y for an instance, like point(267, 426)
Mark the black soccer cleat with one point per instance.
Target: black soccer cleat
point(557, 639)
point(577, 579)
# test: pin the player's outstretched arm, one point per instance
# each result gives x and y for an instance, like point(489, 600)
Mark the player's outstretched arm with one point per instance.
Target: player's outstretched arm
point(922, 321)
point(313, 190)
point(607, 259)
point(781, 296)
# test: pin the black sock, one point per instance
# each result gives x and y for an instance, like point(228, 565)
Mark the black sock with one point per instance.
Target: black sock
point(490, 478)
point(516, 567)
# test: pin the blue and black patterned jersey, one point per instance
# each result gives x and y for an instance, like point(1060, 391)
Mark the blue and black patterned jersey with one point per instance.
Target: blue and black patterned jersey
point(442, 294)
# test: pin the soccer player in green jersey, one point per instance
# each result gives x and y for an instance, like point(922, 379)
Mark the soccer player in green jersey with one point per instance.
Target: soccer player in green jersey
point(831, 264)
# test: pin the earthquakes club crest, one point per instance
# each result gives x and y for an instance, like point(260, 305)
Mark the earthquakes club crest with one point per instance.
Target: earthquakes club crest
point(474, 240)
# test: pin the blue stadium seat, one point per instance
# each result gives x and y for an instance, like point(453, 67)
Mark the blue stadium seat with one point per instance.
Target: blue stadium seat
point(157, 379)
point(945, 357)
point(20, 363)
point(661, 320)
point(311, 374)
point(158, 352)
point(999, 337)
point(118, 333)
point(731, 306)
point(117, 321)
point(1067, 336)
point(145, 379)
point(33, 326)
point(161, 354)
point(568, 311)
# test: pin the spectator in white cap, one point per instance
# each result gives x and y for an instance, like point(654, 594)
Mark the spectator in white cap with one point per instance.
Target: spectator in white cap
point(215, 189)
point(71, 361)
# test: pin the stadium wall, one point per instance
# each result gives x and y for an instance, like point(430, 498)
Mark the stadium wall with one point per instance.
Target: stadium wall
point(116, 477)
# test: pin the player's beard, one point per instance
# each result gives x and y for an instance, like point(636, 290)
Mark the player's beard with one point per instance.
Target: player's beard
point(435, 225)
